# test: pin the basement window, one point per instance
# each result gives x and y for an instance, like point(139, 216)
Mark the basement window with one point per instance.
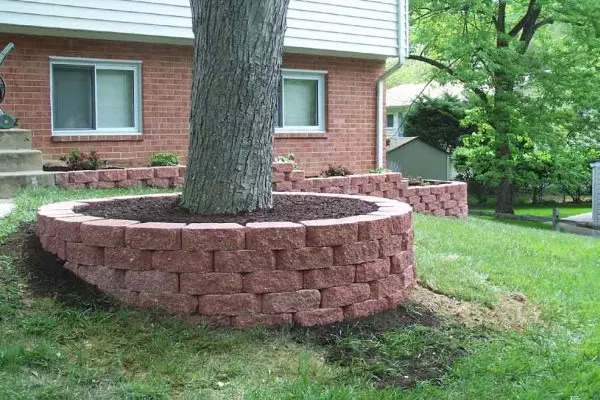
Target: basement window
point(95, 97)
point(301, 103)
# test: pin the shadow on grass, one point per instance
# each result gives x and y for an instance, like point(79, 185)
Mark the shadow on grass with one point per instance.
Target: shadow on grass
point(45, 275)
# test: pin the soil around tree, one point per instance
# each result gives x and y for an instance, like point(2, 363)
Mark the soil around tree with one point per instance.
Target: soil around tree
point(287, 208)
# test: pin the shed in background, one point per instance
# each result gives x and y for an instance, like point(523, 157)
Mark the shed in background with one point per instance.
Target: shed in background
point(415, 158)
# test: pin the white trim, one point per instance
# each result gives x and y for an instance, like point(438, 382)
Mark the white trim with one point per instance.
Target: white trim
point(100, 64)
point(313, 75)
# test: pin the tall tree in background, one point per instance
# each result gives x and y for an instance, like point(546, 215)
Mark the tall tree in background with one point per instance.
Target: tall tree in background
point(238, 51)
point(533, 64)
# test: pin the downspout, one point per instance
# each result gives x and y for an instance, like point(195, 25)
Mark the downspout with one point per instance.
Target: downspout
point(401, 24)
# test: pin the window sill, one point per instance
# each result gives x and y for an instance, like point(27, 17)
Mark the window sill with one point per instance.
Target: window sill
point(98, 138)
point(300, 135)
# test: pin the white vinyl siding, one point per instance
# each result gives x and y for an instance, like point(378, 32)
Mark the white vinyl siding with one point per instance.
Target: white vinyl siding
point(301, 102)
point(95, 97)
point(367, 27)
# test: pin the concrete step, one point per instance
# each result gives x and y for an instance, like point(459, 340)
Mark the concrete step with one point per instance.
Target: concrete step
point(12, 182)
point(20, 160)
point(15, 139)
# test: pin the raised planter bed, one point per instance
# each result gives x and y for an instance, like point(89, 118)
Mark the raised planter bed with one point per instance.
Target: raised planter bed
point(441, 198)
point(264, 273)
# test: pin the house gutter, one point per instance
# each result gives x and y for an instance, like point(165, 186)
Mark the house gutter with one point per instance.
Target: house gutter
point(402, 14)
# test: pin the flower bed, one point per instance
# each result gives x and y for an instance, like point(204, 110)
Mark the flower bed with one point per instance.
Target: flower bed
point(440, 198)
point(266, 273)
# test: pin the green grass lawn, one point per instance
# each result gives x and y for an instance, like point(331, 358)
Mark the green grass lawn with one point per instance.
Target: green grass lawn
point(61, 340)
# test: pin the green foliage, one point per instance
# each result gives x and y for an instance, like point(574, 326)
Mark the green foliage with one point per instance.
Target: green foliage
point(532, 67)
point(336, 171)
point(77, 160)
point(289, 158)
point(379, 170)
point(164, 159)
point(438, 121)
point(411, 72)
point(418, 181)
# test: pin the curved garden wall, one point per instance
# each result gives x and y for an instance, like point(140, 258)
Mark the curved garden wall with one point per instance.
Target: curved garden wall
point(269, 273)
point(438, 198)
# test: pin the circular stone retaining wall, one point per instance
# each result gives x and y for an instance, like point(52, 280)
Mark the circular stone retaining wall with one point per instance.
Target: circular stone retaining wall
point(268, 273)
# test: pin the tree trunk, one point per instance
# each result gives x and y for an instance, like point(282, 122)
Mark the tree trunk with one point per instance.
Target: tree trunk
point(505, 199)
point(236, 76)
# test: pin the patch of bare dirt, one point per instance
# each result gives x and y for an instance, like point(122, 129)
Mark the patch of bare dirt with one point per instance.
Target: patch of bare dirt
point(512, 312)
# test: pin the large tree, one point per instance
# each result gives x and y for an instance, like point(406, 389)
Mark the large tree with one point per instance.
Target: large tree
point(532, 64)
point(236, 74)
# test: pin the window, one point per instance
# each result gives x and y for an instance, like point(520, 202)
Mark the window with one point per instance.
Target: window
point(390, 120)
point(301, 105)
point(95, 97)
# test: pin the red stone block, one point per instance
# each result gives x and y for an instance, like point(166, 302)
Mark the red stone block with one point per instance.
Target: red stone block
point(412, 200)
point(419, 207)
point(112, 175)
point(357, 180)
point(244, 260)
point(435, 190)
point(330, 232)
point(377, 178)
point(453, 188)
point(151, 281)
point(329, 277)
point(401, 261)
point(376, 193)
point(272, 281)
point(365, 308)
point(137, 174)
point(177, 182)
point(130, 184)
point(301, 300)
point(49, 244)
point(408, 278)
point(211, 237)
point(332, 189)
point(163, 183)
point(318, 183)
point(253, 320)
point(123, 296)
point(393, 176)
point(340, 296)
point(166, 172)
point(278, 177)
point(172, 303)
point(428, 198)
point(434, 206)
point(372, 227)
point(386, 287)
point(82, 254)
point(282, 167)
point(69, 228)
point(391, 194)
point(439, 213)
point(229, 304)
point(101, 185)
point(105, 232)
point(182, 171)
point(126, 258)
point(210, 283)
point(321, 316)
point(423, 191)
point(274, 235)
point(61, 179)
point(154, 236)
point(366, 188)
point(301, 185)
point(282, 186)
point(384, 186)
point(102, 277)
point(338, 181)
point(397, 298)
point(442, 198)
point(408, 240)
point(305, 258)
point(83, 176)
point(350, 190)
point(450, 204)
point(182, 261)
point(373, 270)
point(356, 253)
point(294, 176)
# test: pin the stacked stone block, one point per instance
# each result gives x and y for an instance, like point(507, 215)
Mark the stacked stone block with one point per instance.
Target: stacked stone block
point(268, 273)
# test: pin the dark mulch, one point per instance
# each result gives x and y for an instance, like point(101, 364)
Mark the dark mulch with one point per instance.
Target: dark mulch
point(285, 208)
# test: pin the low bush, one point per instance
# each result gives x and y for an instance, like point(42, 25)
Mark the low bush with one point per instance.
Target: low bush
point(418, 181)
point(380, 170)
point(77, 160)
point(336, 171)
point(289, 158)
point(164, 160)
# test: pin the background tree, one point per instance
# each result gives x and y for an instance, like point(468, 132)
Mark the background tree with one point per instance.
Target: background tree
point(238, 47)
point(533, 64)
point(437, 121)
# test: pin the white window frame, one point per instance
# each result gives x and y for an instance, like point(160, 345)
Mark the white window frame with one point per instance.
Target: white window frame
point(312, 75)
point(100, 64)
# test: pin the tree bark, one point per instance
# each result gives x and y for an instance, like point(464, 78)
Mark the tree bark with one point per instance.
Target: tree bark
point(236, 75)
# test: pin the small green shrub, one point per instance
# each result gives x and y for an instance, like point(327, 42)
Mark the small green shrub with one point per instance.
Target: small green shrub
point(164, 159)
point(418, 181)
point(289, 158)
point(380, 170)
point(336, 171)
point(77, 160)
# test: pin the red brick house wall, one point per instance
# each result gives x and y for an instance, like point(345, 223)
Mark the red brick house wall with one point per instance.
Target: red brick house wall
point(166, 74)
